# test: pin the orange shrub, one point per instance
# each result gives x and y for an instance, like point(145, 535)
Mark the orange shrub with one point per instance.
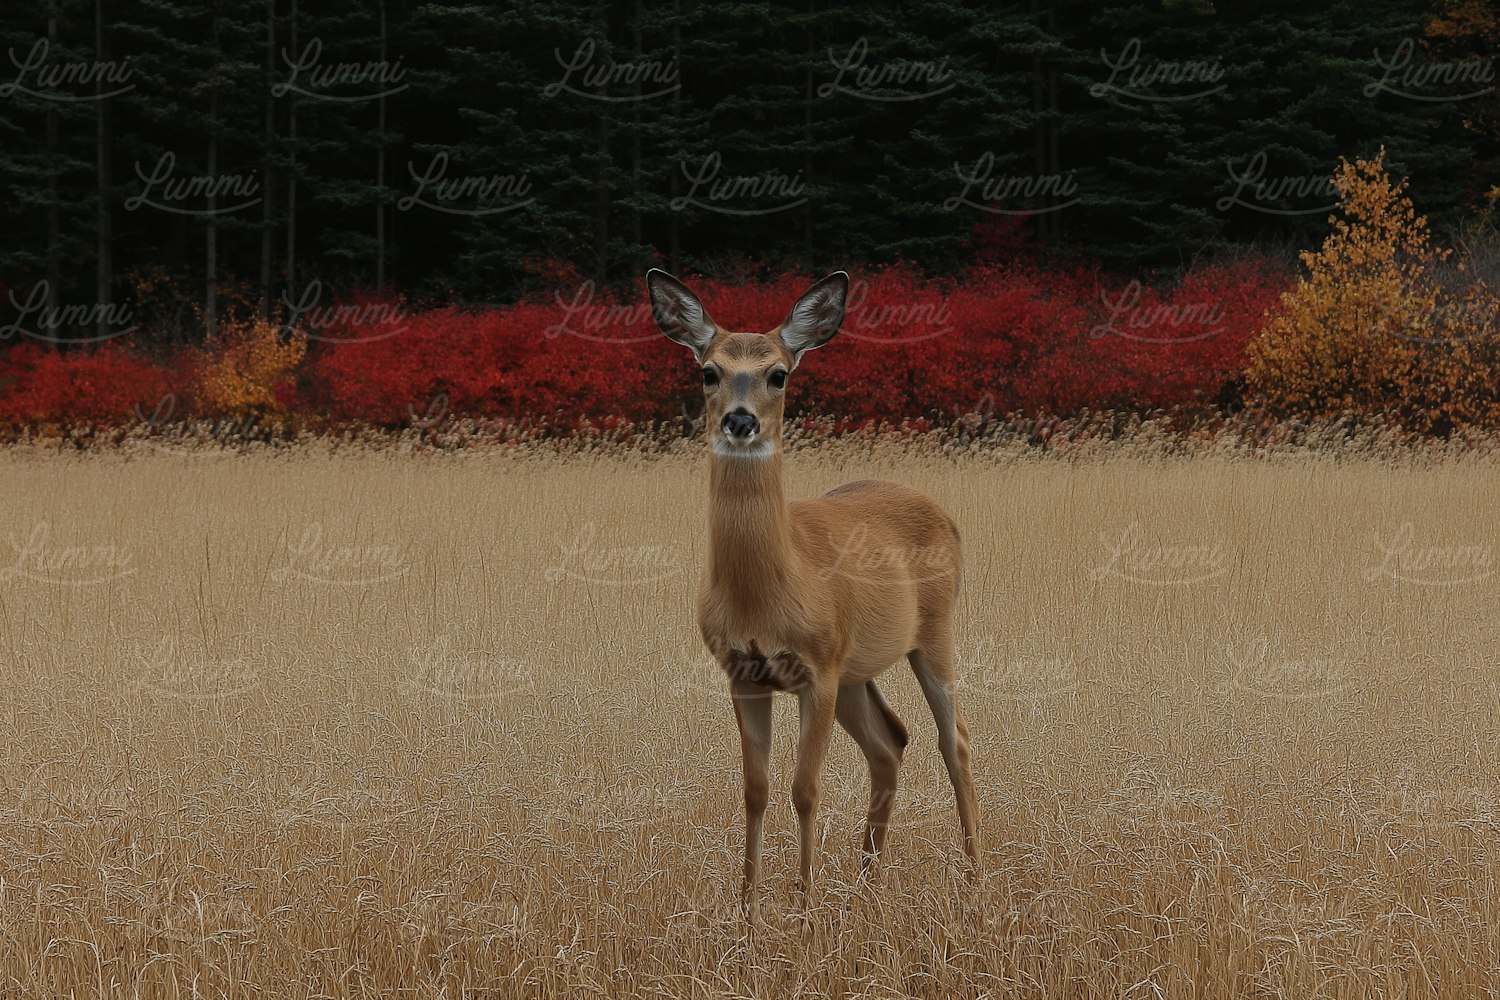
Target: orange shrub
point(248, 370)
point(1371, 330)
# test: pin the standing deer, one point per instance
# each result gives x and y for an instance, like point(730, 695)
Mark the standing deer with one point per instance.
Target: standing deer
point(814, 597)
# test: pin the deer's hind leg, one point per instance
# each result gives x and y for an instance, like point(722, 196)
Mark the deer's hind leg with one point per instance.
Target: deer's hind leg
point(933, 663)
point(863, 712)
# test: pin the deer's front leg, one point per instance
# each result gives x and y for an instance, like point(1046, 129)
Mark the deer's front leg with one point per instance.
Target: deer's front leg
point(815, 711)
point(752, 710)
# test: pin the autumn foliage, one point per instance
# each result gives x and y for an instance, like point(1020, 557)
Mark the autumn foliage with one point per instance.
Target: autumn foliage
point(1001, 339)
point(1378, 328)
point(1372, 331)
point(47, 390)
point(996, 340)
point(247, 370)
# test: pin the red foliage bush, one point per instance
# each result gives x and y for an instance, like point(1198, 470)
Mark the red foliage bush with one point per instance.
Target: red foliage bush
point(524, 362)
point(102, 387)
point(1000, 339)
point(1147, 348)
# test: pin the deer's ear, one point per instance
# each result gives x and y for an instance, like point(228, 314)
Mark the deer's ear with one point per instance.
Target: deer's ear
point(679, 313)
point(816, 317)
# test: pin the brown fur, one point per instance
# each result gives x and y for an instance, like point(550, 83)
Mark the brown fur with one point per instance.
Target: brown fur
point(898, 728)
point(832, 590)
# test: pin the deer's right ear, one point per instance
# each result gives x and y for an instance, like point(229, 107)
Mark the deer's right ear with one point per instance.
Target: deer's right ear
point(679, 313)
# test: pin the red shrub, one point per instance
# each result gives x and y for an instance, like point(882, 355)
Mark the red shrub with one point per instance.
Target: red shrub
point(531, 361)
point(101, 386)
point(999, 339)
point(1144, 348)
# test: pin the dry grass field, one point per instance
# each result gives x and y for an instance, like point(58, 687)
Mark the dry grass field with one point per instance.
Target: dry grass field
point(370, 724)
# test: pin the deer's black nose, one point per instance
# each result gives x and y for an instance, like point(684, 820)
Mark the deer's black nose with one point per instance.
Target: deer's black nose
point(740, 424)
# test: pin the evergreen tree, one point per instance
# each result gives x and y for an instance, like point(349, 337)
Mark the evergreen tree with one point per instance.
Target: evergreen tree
point(47, 165)
point(482, 151)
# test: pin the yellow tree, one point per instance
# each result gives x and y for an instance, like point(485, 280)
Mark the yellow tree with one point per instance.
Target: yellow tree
point(1370, 331)
point(246, 368)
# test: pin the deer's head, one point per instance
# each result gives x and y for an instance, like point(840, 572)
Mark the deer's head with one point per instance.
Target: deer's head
point(745, 374)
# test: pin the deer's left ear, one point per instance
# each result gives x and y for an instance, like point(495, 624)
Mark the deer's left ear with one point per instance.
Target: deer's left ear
point(816, 317)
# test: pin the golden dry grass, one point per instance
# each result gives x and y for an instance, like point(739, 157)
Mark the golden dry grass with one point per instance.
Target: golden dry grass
point(375, 725)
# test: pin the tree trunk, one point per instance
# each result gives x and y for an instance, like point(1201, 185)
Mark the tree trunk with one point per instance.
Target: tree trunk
point(104, 263)
point(380, 174)
point(268, 186)
point(1044, 132)
point(635, 143)
point(601, 204)
point(674, 232)
point(291, 180)
point(211, 239)
point(807, 137)
point(54, 218)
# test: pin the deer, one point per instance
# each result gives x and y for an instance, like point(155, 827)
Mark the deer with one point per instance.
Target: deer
point(815, 597)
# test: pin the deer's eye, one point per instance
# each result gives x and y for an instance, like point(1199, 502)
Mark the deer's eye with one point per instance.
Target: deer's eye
point(778, 379)
point(710, 377)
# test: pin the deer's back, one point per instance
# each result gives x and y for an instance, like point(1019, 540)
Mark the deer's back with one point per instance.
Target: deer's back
point(882, 561)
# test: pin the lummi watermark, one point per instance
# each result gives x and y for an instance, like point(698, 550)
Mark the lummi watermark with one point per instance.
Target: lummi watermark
point(712, 192)
point(1134, 79)
point(894, 80)
point(1401, 557)
point(181, 434)
point(37, 75)
point(603, 322)
point(585, 74)
point(316, 556)
point(1137, 558)
point(311, 76)
point(449, 669)
point(590, 557)
point(341, 322)
point(468, 194)
point(1011, 194)
point(167, 672)
point(1256, 668)
point(40, 318)
point(1260, 193)
point(168, 191)
point(1131, 318)
point(1402, 74)
point(1466, 312)
point(860, 554)
point(995, 669)
point(42, 556)
point(900, 322)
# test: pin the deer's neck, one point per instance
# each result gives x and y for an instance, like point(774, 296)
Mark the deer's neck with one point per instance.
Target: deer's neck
point(750, 550)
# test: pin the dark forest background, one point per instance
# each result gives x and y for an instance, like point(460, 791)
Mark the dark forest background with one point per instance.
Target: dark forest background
point(193, 158)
